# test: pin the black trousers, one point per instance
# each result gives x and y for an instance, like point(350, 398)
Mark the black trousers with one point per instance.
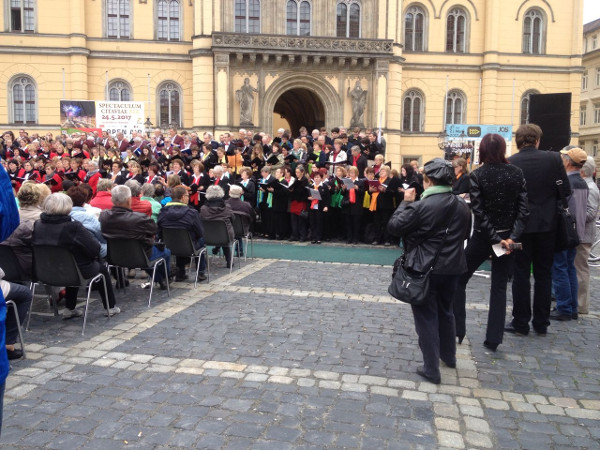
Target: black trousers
point(478, 250)
point(538, 249)
point(299, 226)
point(266, 220)
point(316, 224)
point(95, 269)
point(434, 323)
point(352, 227)
point(381, 219)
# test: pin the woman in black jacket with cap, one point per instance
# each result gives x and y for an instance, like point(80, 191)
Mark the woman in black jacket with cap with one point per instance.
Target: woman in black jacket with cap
point(422, 225)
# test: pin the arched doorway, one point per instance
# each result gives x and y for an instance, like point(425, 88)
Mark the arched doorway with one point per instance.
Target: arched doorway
point(300, 107)
point(302, 97)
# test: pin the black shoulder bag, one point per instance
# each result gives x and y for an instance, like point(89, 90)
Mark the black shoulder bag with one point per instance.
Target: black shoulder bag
point(410, 286)
point(566, 228)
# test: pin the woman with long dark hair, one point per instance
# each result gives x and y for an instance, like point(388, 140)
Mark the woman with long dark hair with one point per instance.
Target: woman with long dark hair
point(499, 204)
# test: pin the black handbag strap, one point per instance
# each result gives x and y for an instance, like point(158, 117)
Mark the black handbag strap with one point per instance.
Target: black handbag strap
point(561, 194)
point(439, 250)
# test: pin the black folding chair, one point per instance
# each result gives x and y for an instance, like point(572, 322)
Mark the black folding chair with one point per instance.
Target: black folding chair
point(56, 266)
point(180, 242)
point(10, 265)
point(216, 235)
point(241, 223)
point(129, 253)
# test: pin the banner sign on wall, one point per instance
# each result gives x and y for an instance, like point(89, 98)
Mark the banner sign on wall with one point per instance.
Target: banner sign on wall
point(112, 117)
point(464, 140)
point(123, 117)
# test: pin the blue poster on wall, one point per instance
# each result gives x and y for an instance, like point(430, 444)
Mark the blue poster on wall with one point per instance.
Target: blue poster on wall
point(463, 140)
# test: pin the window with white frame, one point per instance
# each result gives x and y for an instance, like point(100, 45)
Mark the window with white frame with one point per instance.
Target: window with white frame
point(455, 107)
point(348, 18)
point(247, 16)
point(169, 104)
point(22, 15)
point(595, 148)
point(525, 102)
point(298, 18)
point(597, 113)
point(582, 115)
point(594, 41)
point(168, 20)
point(412, 111)
point(118, 19)
point(533, 32)
point(456, 31)
point(414, 29)
point(119, 91)
point(584, 80)
point(23, 98)
point(597, 76)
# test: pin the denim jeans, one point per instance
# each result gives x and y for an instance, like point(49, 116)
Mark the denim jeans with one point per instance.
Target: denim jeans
point(21, 295)
point(564, 281)
point(156, 254)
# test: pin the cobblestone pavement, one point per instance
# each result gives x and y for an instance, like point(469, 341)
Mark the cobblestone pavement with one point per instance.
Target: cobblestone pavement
point(288, 354)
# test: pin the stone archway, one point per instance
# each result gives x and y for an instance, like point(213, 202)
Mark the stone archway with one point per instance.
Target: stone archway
point(300, 107)
point(285, 92)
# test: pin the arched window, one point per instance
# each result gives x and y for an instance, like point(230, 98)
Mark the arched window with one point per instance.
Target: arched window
point(455, 107)
point(167, 20)
point(119, 91)
point(533, 32)
point(298, 17)
point(247, 16)
point(118, 25)
point(22, 15)
point(456, 31)
point(525, 101)
point(412, 114)
point(169, 104)
point(23, 98)
point(348, 18)
point(414, 29)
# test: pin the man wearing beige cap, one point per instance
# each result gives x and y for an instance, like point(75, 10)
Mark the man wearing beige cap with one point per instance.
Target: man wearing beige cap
point(564, 275)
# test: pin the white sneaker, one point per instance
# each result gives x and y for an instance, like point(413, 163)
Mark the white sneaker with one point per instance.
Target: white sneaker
point(112, 311)
point(146, 285)
point(70, 313)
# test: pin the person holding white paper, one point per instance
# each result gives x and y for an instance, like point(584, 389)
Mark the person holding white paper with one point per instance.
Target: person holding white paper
point(499, 205)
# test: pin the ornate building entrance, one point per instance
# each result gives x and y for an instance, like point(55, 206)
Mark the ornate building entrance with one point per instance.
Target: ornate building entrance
point(300, 107)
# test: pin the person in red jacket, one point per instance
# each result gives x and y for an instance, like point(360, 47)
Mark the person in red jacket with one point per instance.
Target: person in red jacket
point(56, 184)
point(138, 205)
point(103, 199)
point(93, 176)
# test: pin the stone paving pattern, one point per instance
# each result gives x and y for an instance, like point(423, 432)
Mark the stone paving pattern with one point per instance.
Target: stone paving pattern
point(324, 359)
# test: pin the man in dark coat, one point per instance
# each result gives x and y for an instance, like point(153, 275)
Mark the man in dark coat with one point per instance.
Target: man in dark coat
point(177, 214)
point(544, 175)
point(121, 222)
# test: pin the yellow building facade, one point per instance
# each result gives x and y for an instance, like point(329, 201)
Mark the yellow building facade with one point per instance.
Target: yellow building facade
point(204, 65)
point(589, 113)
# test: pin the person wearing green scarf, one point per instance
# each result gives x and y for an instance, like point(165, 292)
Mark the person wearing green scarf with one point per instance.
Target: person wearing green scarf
point(439, 222)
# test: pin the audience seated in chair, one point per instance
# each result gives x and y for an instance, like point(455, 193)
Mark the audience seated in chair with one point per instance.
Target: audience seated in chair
point(56, 228)
point(177, 214)
point(120, 222)
point(215, 208)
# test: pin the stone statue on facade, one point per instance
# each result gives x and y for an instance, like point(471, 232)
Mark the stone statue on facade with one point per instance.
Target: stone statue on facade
point(358, 96)
point(245, 96)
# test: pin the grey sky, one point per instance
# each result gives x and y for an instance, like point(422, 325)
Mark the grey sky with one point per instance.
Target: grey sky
point(591, 10)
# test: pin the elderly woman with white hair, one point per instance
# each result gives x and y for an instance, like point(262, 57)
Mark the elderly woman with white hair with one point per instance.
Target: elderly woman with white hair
point(215, 208)
point(56, 228)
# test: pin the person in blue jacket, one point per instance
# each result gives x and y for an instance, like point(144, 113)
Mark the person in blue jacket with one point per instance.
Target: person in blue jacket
point(9, 220)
